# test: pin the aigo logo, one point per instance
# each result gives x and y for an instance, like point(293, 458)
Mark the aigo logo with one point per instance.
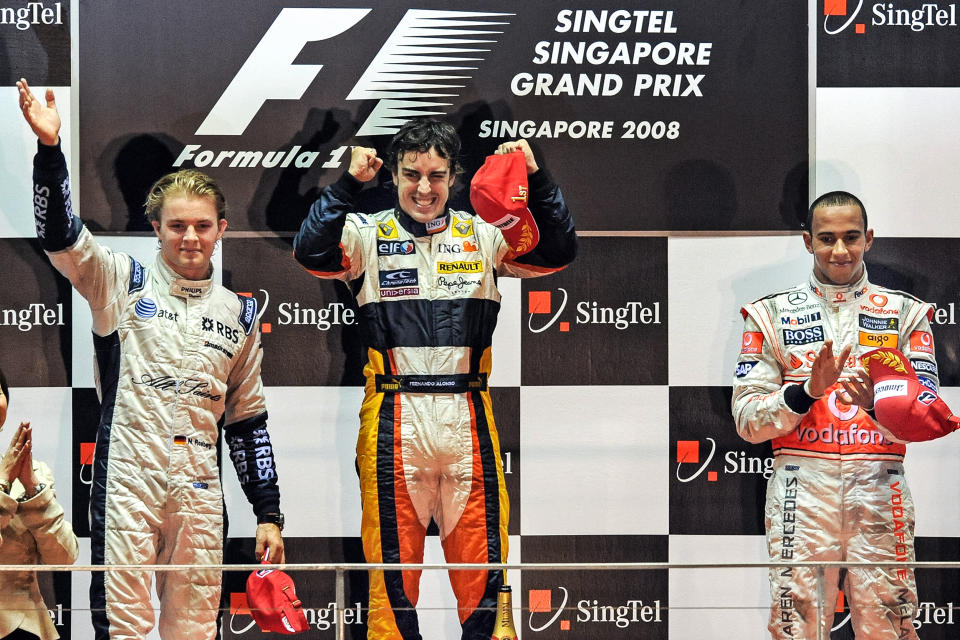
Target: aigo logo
point(400, 83)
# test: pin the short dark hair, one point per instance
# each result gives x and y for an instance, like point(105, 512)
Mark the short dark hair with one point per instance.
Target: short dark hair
point(3, 386)
point(419, 135)
point(835, 199)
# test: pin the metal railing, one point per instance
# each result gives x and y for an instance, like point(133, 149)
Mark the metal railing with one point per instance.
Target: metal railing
point(341, 569)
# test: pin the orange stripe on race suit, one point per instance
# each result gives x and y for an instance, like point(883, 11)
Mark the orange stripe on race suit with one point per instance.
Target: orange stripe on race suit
point(830, 427)
point(463, 544)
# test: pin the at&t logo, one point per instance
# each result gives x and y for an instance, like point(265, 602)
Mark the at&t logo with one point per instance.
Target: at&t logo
point(690, 467)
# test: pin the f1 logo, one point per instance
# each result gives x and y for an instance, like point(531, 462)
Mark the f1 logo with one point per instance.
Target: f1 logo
point(400, 76)
point(269, 72)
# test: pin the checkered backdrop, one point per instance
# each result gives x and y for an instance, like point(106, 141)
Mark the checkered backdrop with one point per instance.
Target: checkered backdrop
point(687, 136)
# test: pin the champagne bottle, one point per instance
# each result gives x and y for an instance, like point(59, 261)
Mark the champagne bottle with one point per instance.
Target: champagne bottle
point(504, 629)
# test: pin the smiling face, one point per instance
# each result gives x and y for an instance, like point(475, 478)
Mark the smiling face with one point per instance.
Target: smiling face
point(188, 231)
point(838, 240)
point(423, 182)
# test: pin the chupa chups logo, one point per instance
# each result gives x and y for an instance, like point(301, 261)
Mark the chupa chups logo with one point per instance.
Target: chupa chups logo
point(543, 613)
point(738, 462)
point(837, 18)
point(589, 312)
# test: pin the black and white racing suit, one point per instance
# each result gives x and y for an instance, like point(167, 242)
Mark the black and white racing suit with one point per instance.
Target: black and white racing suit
point(428, 446)
point(176, 360)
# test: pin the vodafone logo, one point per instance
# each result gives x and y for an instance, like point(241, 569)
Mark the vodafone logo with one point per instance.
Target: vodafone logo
point(879, 300)
point(840, 409)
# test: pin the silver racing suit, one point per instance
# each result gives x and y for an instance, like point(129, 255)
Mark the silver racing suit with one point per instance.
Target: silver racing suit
point(838, 491)
point(176, 360)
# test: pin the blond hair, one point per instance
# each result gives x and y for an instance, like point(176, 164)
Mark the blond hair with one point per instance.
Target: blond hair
point(187, 183)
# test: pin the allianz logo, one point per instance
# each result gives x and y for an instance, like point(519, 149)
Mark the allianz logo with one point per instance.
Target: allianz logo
point(36, 314)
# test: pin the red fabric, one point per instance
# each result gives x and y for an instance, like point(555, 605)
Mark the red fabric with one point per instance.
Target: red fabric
point(273, 603)
point(906, 408)
point(499, 194)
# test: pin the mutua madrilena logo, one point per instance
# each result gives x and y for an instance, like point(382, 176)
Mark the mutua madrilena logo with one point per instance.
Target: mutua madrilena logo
point(541, 303)
point(916, 16)
point(691, 464)
point(412, 75)
point(544, 613)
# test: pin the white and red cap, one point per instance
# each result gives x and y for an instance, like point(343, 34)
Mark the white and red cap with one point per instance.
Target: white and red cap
point(499, 193)
point(273, 602)
point(908, 410)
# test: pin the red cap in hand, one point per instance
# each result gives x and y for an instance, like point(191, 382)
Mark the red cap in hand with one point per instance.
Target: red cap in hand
point(903, 406)
point(273, 603)
point(499, 194)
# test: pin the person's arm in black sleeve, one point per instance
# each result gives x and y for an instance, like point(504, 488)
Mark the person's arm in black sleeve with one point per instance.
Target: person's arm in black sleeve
point(317, 245)
point(252, 455)
point(558, 237)
point(57, 227)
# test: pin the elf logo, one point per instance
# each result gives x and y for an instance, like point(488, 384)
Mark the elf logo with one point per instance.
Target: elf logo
point(400, 77)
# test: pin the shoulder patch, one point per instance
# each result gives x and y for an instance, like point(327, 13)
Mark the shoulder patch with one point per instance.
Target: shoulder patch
point(248, 313)
point(137, 276)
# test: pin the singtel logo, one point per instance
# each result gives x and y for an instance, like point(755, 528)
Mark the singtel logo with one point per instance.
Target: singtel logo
point(36, 314)
point(543, 615)
point(887, 14)
point(589, 312)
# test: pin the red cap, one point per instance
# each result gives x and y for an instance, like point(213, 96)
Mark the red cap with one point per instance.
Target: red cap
point(908, 410)
point(273, 603)
point(499, 195)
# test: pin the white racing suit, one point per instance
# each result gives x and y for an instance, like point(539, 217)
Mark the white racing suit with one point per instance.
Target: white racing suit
point(175, 360)
point(838, 491)
point(428, 447)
